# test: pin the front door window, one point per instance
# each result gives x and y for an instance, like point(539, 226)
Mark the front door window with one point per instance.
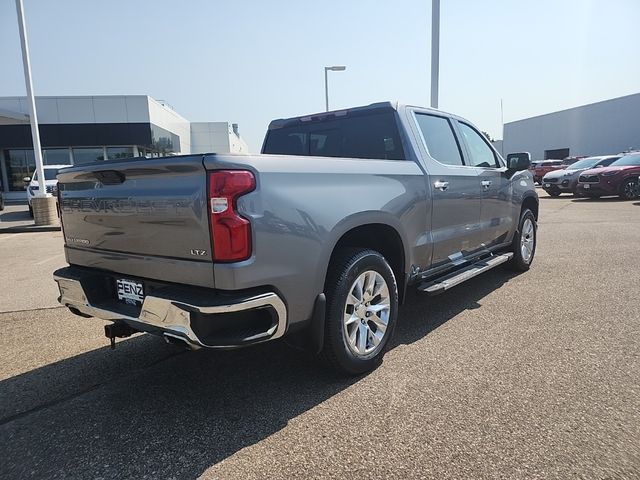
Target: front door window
point(479, 151)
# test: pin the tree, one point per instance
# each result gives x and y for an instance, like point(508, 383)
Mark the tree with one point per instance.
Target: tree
point(488, 136)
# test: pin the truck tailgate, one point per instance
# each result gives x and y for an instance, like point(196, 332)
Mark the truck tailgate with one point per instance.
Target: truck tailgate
point(125, 215)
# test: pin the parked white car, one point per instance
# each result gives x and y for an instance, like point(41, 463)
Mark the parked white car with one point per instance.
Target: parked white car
point(50, 182)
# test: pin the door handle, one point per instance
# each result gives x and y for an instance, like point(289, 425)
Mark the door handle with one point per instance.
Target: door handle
point(440, 185)
point(486, 183)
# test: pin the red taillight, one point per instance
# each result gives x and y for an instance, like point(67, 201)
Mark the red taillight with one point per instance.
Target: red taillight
point(230, 232)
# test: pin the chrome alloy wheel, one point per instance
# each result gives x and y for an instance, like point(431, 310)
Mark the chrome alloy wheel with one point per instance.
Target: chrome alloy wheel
point(366, 313)
point(630, 190)
point(527, 240)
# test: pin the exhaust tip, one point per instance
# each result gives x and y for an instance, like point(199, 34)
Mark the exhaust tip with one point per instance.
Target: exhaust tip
point(178, 340)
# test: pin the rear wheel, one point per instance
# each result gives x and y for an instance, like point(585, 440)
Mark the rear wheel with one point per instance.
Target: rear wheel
point(629, 189)
point(362, 307)
point(524, 242)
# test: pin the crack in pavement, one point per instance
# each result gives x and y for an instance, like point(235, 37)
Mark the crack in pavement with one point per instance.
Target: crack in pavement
point(31, 309)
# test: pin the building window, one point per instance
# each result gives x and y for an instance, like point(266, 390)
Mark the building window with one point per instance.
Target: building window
point(119, 152)
point(557, 154)
point(87, 155)
point(163, 141)
point(56, 156)
point(19, 164)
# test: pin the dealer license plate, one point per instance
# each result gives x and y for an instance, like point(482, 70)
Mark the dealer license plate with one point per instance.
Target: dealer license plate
point(587, 186)
point(130, 292)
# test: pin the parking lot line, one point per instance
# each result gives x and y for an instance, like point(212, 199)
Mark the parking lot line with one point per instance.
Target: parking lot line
point(49, 259)
point(10, 235)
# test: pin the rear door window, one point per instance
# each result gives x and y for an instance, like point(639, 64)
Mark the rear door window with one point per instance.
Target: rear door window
point(439, 139)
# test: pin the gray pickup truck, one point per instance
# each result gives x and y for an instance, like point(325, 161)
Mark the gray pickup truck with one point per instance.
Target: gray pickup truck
point(317, 239)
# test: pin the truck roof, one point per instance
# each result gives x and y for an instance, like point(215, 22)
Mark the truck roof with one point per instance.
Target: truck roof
point(387, 105)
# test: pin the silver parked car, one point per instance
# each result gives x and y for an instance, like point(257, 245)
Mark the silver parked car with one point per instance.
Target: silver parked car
point(566, 180)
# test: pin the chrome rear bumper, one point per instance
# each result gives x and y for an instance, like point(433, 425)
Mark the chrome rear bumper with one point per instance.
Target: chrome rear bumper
point(172, 316)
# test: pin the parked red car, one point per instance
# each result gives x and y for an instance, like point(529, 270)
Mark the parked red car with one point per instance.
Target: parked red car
point(543, 167)
point(620, 178)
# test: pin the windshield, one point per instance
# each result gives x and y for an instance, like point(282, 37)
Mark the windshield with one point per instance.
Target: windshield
point(585, 163)
point(627, 160)
point(49, 174)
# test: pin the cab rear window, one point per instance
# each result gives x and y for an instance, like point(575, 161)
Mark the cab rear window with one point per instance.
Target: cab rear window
point(371, 135)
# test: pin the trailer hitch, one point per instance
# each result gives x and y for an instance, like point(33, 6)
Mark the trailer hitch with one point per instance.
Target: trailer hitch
point(119, 330)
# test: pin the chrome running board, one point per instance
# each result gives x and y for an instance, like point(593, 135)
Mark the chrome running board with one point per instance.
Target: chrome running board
point(442, 284)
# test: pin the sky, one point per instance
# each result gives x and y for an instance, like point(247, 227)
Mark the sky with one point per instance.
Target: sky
point(250, 61)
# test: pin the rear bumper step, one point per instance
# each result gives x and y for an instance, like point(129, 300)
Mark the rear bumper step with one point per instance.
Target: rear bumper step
point(442, 284)
point(221, 322)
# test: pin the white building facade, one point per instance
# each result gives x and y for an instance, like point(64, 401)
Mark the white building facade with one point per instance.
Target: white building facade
point(607, 127)
point(84, 129)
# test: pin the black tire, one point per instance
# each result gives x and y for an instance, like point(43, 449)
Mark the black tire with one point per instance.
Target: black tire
point(346, 268)
point(629, 189)
point(519, 263)
point(30, 211)
point(554, 193)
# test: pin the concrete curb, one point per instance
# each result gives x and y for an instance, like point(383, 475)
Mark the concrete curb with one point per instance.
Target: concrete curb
point(30, 229)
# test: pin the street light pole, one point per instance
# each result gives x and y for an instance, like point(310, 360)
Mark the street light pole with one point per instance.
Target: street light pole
point(502, 122)
point(35, 134)
point(335, 68)
point(43, 205)
point(435, 51)
point(326, 89)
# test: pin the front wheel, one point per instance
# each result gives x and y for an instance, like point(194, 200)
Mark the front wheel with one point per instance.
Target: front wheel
point(629, 189)
point(524, 242)
point(362, 307)
point(30, 211)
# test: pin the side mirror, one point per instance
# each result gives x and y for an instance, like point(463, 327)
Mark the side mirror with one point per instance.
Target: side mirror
point(518, 161)
point(26, 179)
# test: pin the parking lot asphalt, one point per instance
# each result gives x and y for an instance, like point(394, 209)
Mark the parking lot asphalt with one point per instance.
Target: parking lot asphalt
point(506, 376)
point(15, 218)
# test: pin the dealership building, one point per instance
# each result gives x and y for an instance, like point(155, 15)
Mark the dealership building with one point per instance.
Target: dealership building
point(607, 127)
point(85, 129)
